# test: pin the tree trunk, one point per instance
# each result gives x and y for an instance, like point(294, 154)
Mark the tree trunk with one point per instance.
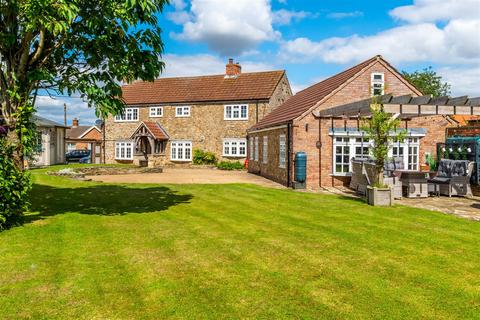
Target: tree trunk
point(13, 139)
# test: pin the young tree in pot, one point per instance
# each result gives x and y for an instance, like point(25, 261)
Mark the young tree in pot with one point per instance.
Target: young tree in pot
point(381, 129)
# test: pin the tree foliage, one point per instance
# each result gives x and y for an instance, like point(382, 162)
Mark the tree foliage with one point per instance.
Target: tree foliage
point(382, 130)
point(86, 47)
point(428, 82)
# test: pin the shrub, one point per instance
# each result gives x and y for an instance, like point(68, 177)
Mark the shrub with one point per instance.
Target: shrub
point(229, 165)
point(14, 188)
point(203, 157)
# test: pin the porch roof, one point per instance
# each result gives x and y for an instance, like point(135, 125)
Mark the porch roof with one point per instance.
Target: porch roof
point(406, 106)
point(153, 128)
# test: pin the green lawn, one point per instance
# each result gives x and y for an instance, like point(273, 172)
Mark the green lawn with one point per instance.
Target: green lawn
point(100, 251)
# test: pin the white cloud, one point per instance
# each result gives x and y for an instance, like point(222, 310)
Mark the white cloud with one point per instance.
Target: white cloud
point(52, 108)
point(457, 42)
point(178, 4)
point(229, 27)
point(437, 10)
point(342, 15)
point(285, 17)
point(204, 64)
point(464, 80)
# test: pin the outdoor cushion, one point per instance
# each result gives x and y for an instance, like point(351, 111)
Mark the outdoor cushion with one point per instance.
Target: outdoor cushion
point(442, 180)
point(459, 168)
point(444, 168)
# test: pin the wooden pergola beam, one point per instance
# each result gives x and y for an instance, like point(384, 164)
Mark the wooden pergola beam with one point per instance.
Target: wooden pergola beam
point(408, 105)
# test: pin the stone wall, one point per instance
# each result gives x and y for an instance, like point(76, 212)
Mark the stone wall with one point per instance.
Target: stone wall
point(205, 126)
point(271, 169)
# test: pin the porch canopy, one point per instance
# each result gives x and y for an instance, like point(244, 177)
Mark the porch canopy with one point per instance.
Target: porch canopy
point(406, 107)
point(149, 138)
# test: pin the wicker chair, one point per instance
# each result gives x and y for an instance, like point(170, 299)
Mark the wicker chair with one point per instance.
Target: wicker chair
point(363, 173)
point(453, 177)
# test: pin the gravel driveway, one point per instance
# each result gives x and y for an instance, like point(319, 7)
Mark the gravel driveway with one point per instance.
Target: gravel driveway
point(184, 176)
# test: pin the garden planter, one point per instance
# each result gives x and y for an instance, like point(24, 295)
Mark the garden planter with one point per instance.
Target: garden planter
point(379, 196)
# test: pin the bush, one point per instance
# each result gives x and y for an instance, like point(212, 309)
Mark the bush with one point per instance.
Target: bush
point(203, 157)
point(14, 188)
point(229, 165)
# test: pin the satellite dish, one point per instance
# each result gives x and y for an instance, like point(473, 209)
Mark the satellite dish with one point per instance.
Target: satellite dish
point(99, 123)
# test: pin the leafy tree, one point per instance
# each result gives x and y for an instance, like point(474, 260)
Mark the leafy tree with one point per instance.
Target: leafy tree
point(381, 129)
point(86, 47)
point(429, 82)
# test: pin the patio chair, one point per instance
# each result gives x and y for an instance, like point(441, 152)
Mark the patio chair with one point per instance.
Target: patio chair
point(363, 173)
point(453, 178)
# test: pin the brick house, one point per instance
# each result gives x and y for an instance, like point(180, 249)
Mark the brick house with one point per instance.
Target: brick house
point(330, 142)
point(165, 120)
point(80, 137)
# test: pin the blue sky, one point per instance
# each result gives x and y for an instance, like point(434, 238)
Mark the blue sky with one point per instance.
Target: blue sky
point(313, 40)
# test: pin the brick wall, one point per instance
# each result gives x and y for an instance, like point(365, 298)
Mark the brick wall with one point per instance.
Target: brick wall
point(271, 169)
point(306, 129)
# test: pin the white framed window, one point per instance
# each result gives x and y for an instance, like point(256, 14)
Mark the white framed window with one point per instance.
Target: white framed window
point(377, 84)
point(183, 111)
point(347, 147)
point(156, 112)
point(252, 149)
point(236, 112)
point(282, 151)
point(128, 115)
point(265, 150)
point(234, 147)
point(70, 146)
point(181, 150)
point(124, 150)
point(256, 149)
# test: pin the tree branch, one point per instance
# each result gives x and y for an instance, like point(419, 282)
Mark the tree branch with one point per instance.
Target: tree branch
point(41, 45)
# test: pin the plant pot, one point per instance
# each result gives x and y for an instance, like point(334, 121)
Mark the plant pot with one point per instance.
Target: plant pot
point(379, 196)
point(424, 167)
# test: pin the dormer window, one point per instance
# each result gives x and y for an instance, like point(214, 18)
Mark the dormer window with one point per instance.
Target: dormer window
point(378, 84)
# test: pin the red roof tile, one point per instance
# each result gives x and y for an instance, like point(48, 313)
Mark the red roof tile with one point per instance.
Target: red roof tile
point(307, 98)
point(247, 86)
point(156, 129)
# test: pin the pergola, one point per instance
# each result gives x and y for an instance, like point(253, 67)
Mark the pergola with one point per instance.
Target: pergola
point(405, 107)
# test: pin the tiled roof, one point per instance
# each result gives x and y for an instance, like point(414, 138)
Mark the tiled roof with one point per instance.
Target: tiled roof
point(156, 129)
point(76, 132)
point(463, 120)
point(246, 86)
point(307, 98)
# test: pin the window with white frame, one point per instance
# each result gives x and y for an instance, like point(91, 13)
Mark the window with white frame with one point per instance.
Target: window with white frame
point(256, 149)
point(234, 147)
point(348, 147)
point(124, 150)
point(251, 147)
point(156, 112)
point(71, 146)
point(265, 150)
point(236, 112)
point(183, 111)
point(282, 151)
point(181, 151)
point(128, 114)
point(378, 84)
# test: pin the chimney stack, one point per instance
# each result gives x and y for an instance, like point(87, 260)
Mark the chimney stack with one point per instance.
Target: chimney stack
point(75, 122)
point(233, 70)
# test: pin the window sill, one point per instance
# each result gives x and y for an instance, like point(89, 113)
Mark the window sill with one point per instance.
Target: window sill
point(156, 116)
point(340, 174)
point(181, 160)
point(246, 119)
point(233, 156)
point(120, 121)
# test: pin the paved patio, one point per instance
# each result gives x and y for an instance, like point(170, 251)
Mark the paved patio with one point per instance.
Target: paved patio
point(468, 208)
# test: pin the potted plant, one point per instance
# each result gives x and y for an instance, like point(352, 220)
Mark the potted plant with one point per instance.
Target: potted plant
point(381, 129)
